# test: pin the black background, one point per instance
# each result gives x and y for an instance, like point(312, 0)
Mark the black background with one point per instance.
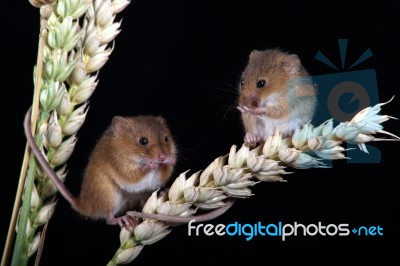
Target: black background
point(182, 60)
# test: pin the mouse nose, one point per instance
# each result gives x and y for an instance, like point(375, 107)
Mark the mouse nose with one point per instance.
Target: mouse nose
point(249, 101)
point(253, 102)
point(162, 157)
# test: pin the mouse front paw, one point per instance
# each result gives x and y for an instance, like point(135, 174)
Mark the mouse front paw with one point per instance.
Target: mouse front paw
point(251, 139)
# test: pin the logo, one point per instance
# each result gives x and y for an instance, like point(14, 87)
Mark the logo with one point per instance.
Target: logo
point(343, 94)
point(282, 230)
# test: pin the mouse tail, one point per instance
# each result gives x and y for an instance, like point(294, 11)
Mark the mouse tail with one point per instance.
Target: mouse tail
point(44, 164)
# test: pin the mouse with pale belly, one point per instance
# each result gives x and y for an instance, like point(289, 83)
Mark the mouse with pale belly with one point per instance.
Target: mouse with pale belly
point(275, 94)
point(134, 157)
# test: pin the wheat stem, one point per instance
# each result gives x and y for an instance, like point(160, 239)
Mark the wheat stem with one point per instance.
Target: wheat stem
point(38, 80)
point(20, 256)
point(26, 159)
point(14, 215)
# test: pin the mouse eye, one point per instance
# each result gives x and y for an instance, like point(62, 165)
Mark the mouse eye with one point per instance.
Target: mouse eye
point(166, 139)
point(143, 141)
point(242, 82)
point(261, 83)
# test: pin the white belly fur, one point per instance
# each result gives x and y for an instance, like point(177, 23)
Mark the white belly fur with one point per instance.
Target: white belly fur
point(151, 181)
point(266, 126)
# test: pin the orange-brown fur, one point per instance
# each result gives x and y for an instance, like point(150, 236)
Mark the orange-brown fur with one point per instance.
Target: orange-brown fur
point(119, 159)
point(278, 104)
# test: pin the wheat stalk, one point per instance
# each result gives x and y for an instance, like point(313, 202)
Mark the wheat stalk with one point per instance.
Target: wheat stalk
point(232, 175)
point(73, 47)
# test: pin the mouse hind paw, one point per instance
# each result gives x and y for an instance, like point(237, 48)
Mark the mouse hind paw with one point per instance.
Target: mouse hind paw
point(123, 221)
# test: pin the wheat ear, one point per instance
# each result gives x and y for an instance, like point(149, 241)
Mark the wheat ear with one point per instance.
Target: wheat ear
point(232, 175)
point(74, 45)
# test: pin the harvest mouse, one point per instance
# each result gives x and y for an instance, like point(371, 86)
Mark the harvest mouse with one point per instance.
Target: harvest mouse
point(275, 94)
point(134, 157)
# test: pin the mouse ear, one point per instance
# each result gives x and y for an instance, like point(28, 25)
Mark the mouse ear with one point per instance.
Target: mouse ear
point(291, 64)
point(254, 53)
point(161, 120)
point(119, 124)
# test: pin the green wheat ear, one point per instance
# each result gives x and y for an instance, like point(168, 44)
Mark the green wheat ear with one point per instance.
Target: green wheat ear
point(73, 47)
